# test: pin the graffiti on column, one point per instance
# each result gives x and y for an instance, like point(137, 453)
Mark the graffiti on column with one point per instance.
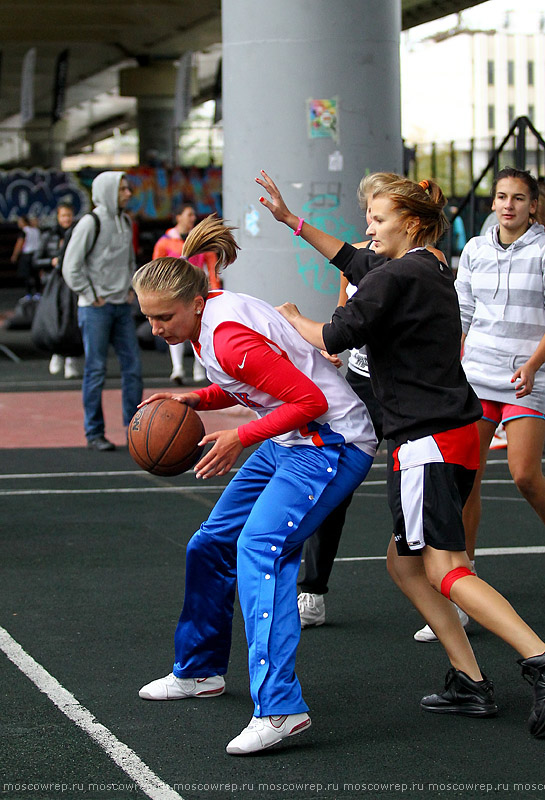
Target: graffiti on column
point(158, 192)
point(323, 212)
point(37, 193)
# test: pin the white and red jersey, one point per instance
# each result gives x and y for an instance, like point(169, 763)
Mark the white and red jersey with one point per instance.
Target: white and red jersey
point(254, 357)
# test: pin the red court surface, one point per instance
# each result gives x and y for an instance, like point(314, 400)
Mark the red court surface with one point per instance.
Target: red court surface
point(55, 419)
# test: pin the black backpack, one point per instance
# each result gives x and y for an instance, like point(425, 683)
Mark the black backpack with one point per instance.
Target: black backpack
point(55, 326)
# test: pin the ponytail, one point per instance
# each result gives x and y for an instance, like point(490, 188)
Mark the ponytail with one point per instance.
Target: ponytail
point(211, 235)
point(178, 278)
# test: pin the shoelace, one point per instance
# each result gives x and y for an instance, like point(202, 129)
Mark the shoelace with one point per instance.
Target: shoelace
point(451, 674)
point(530, 674)
point(305, 598)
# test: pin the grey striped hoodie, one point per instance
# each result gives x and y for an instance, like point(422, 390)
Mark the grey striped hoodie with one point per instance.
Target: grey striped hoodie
point(501, 293)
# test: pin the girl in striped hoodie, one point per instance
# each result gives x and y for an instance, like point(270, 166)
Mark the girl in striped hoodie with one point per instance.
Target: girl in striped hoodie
point(501, 291)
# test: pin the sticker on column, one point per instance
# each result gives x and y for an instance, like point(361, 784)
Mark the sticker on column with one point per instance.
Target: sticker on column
point(335, 161)
point(323, 118)
point(251, 221)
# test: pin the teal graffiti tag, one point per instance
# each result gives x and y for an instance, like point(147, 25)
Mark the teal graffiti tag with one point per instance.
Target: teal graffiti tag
point(315, 270)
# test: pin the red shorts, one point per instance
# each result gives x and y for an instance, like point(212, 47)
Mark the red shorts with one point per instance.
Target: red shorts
point(504, 412)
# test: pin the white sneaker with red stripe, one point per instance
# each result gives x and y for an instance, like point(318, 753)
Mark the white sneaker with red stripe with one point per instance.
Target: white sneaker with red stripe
point(172, 688)
point(499, 440)
point(263, 732)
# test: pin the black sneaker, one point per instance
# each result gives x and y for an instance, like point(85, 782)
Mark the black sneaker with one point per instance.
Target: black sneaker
point(463, 696)
point(100, 443)
point(533, 670)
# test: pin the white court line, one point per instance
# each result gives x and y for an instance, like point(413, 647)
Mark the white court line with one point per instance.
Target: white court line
point(110, 473)
point(141, 490)
point(27, 475)
point(200, 488)
point(480, 551)
point(30, 475)
point(120, 753)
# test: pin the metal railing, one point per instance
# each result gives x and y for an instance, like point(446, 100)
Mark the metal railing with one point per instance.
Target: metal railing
point(467, 207)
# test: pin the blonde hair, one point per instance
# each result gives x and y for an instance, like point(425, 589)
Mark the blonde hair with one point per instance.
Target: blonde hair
point(369, 183)
point(176, 276)
point(422, 201)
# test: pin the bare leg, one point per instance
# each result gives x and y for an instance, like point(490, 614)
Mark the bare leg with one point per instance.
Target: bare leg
point(525, 441)
point(409, 575)
point(482, 602)
point(472, 507)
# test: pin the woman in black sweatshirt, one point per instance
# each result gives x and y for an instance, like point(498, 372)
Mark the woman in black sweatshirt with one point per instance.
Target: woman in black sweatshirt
point(406, 312)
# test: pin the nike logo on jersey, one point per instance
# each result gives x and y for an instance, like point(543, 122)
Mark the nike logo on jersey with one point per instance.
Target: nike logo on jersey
point(241, 366)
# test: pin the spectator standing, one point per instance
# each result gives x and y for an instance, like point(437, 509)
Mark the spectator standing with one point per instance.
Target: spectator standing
point(500, 291)
point(46, 259)
point(28, 241)
point(102, 280)
point(171, 245)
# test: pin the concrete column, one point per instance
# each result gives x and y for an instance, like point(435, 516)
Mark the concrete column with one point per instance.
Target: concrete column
point(47, 142)
point(154, 88)
point(279, 59)
point(155, 122)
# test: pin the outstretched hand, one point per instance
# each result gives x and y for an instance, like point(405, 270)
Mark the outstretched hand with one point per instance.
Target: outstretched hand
point(222, 456)
point(276, 204)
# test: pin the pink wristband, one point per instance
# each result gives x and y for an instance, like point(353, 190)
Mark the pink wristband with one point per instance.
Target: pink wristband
point(297, 231)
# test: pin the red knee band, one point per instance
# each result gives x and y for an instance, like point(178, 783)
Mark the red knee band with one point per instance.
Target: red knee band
point(451, 577)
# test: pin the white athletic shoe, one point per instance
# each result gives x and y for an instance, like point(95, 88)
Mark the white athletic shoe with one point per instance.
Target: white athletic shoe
point(177, 376)
point(172, 688)
point(311, 609)
point(499, 440)
point(71, 368)
point(199, 372)
point(263, 732)
point(56, 364)
point(426, 634)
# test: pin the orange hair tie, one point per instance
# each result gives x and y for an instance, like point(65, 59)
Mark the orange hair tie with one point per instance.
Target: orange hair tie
point(425, 185)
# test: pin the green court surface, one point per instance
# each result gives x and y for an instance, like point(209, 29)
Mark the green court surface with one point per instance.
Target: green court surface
point(91, 585)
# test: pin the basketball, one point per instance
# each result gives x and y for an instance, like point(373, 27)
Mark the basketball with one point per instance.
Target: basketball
point(164, 437)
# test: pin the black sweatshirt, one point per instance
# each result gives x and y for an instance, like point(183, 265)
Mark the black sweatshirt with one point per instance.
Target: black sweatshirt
point(406, 312)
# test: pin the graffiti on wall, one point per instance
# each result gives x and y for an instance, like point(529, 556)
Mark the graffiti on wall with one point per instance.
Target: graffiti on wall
point(157, 192)
point(37, 193)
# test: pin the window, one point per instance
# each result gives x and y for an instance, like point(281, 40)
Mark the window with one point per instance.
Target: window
point(510, 114)
point(491, 118)
point(490, 70)
point(531, 67)
point(510, 73)
point(531, 113)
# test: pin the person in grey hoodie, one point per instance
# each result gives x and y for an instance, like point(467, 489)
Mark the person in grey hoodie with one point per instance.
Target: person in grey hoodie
point(500, 286)
point(100, 269)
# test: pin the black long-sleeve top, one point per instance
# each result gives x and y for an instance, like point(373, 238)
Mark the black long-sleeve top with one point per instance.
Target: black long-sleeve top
point(406, 312)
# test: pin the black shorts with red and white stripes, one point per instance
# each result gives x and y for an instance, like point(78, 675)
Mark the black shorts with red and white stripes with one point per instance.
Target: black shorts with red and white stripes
point(429, 481)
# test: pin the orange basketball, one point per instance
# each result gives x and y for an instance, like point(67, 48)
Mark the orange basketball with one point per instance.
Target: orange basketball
point(164, 437)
